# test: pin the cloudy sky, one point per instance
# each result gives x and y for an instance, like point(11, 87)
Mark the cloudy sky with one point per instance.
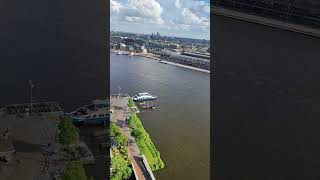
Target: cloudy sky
point(183, 18)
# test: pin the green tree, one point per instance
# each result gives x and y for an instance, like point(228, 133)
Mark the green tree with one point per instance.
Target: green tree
point(68, 132)
point(138, 134)
point(113, 129)
point(75, 171)
point(120, 168)
point(121, 139)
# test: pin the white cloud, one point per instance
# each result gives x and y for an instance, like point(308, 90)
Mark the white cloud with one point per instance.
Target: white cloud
point(147, 11)
point(191, 18)
point(206, 9)
point(177, 4)
point(115, 6)
point(183, 17)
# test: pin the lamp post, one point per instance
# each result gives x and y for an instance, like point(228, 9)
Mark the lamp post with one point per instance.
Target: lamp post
point(31, 87)
point(119, 91)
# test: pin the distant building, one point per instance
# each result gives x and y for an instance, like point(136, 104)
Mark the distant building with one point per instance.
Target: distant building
point(140, 49)
point(116, 39)
point(202, 63)
point(129, 42)
point(173, 46)
point(122, 46)
point(154, 47)
point(198, 55)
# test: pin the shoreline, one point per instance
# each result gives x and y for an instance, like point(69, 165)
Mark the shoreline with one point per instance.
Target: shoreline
point(166, 62)
point(187, 67)
point(301, 29)
point(124, 117)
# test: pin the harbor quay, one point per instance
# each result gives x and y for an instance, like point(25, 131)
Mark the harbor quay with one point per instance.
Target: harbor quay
point(184, 61)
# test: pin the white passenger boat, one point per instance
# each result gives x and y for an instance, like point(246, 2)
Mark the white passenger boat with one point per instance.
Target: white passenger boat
point(144, 96)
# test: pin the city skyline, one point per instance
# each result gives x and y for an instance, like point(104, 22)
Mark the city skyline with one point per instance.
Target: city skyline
point(177, 18)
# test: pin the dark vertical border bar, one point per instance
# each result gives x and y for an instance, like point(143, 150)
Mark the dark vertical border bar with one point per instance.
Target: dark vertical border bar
point(212, 75)
point(107, 48)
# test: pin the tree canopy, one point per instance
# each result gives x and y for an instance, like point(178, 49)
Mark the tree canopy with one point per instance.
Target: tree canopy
point(68, 132)
point(75, 171)
point(120, 167)
point(131, 103)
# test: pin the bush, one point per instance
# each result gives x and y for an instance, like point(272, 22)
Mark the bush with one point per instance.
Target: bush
point(68, 132)
point(121, 139)
point(131, 103)
point(113, 129)
point(145, 143)
point(74, 171)
point(120, 167)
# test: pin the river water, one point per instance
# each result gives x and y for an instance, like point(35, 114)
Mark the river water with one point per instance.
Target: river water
point(266, 103)
point(180, 124)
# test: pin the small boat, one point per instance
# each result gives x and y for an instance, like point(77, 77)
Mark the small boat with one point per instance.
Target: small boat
point(120, 53)
point(131, 54)
point(163, 62)
point(144, 96)
point(92, 114)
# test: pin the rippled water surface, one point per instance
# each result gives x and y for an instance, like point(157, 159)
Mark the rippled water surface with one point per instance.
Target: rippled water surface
point(179, 126)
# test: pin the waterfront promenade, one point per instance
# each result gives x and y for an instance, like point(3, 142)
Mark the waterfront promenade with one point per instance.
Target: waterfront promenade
point(120, 112)
point(158, 58)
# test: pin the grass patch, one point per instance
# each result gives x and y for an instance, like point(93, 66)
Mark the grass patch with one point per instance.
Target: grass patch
point(131, 103)
point(145, 143)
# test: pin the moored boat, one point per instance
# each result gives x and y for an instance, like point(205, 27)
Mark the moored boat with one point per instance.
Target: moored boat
point(91, 114)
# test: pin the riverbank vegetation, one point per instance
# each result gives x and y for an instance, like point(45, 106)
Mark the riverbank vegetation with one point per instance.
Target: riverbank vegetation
point(145, 143)
point(131, 103)
point(68, 132)
point(75, 171)
point(120, 163)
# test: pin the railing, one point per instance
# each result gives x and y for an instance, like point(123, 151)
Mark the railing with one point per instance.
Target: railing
point(145, 162)
point(287, 11)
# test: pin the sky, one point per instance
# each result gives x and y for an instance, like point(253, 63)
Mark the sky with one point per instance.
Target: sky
point(181, 18)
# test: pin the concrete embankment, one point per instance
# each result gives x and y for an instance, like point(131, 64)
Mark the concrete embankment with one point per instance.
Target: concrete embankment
point(185, 66)
point(266, 21)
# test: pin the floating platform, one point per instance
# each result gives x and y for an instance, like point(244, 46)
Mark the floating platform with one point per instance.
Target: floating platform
point(147, 105)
